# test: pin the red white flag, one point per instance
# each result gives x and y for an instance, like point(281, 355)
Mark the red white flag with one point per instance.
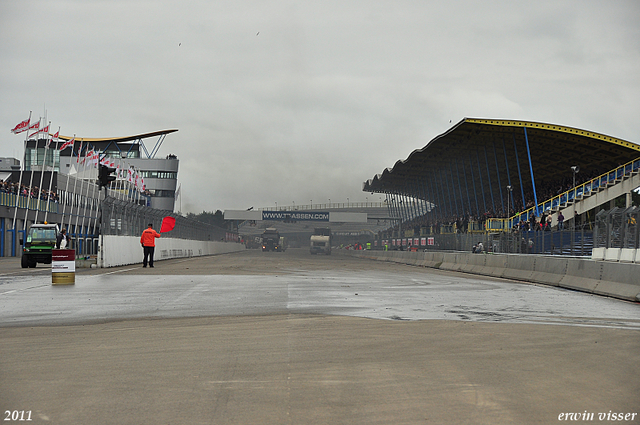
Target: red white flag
point(68, 143)
point(35, 126)
point(87, 156)
point(23, 126)
point(48, 135)
point(56, 135)
point(79, 152)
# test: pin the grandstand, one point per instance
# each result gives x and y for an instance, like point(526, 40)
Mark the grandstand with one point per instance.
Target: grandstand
point(486, 175)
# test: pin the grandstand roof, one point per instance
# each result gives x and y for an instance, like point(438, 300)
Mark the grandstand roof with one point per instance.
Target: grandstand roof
point(480, 157)
point(121, 139)
point(554, 149)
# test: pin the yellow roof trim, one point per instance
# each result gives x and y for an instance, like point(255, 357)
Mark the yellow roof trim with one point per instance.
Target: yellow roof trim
point(553, 127)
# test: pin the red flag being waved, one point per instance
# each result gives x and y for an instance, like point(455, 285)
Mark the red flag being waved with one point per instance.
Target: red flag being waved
point(168, 223)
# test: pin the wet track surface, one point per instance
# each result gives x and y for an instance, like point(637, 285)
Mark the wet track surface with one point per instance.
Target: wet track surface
point(288, 338)
point(256, 283)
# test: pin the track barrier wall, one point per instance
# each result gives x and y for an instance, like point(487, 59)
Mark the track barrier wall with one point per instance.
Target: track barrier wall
point(123, 250)
point(612, 279)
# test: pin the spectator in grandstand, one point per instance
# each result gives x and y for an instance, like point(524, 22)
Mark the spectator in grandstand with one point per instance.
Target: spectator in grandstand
point(532, 222)
point(560, 221)
point(148, 241)
point(549, 220)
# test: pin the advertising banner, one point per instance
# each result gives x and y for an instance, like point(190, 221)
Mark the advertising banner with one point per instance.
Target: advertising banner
point(63, 267)
point(295, 215)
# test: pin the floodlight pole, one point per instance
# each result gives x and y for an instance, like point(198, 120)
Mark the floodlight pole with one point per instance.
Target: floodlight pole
point(574, 169)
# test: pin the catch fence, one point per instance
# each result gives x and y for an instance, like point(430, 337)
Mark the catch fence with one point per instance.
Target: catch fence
point(124, 218)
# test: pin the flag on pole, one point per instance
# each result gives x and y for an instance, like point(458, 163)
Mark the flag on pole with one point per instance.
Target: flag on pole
point(168, 223)
point(49, 137)
point(21, 127)
point(94, 159)
point(35, 126)
point(68, 143)
point(87, 157)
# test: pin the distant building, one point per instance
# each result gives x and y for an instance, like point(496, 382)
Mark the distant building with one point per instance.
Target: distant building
point(160, 175)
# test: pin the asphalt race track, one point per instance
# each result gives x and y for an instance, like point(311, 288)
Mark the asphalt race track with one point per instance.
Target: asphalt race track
point(277, 338)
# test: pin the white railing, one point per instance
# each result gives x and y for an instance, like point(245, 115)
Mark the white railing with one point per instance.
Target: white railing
point(326, 206)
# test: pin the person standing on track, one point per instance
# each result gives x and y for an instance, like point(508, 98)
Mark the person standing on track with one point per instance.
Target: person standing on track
point(148, 241)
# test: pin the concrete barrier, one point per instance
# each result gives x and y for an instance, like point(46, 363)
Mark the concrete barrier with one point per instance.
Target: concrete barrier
point(582, 275)
point(495, 265)
point(122, 250)
point(612, 254)
point(613, 279)
point(627, 255)
point(448, 261)
point(620, 280)
point(519, 267)
point(598, 253)
point(549, 270)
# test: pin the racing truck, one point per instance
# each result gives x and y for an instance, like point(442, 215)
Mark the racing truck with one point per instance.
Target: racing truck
point(271, 240)
point(40, 241)
point(321, 241)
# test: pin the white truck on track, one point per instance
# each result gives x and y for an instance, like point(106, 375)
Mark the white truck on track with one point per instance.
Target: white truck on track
point(321, 241)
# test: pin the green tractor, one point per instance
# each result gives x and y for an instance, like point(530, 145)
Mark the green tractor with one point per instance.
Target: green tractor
point(41, 239)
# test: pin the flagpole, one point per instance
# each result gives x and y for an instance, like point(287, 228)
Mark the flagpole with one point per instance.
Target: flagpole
point(96, 202)
point(24, 156)
point(66, 190)
point(120, 180)
point(137, 190)
point(44, 164)
point(79, 197)
point(84, 244)
point(53, 167)
point(75, 183)
point(26, 210)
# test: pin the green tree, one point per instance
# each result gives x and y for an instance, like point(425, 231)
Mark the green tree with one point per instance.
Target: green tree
point(217, 218)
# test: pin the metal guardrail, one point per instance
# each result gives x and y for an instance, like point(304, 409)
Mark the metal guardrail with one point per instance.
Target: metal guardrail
point(574, 242)
point(323, 206)
point(9, 200)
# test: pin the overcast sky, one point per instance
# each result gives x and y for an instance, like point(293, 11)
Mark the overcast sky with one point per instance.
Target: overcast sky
point(293, 101)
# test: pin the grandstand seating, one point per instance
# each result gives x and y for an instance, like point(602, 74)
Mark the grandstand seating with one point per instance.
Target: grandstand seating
point(582, 192)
